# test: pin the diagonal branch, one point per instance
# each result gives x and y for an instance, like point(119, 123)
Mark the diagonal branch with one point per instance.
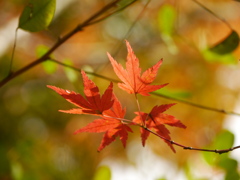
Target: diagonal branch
point(215, 15)
point(196, 105)
point(218, 151)
point(156, 94)
point(79, 70)
point(60, 41)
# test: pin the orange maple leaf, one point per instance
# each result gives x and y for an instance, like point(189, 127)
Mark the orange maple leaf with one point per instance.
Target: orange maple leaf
point(132, 80)
point(156, 120)
point(93, 103)
point(111, 124)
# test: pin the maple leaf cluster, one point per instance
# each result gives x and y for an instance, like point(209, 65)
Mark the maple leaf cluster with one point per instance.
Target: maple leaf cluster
point(110, 111)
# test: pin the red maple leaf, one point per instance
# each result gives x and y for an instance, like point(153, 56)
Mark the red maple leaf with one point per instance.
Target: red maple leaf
point(156, 120)
point(132, 80)
point(93, 103)
point(111, 124)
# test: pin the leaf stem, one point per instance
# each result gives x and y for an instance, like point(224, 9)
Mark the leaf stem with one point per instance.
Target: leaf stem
point(139, 110)
point(121, 119)
point(156, 94)
point(218, 151)
point(112, 13)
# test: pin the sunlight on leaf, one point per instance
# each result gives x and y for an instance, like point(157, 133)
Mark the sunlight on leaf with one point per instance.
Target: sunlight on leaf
point(132, 80)
point(37, 15)
point(227, 45)
point(102, 172)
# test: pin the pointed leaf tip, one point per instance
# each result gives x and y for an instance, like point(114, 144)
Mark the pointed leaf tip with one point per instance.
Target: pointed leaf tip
point(92, 103)
point(132, 81)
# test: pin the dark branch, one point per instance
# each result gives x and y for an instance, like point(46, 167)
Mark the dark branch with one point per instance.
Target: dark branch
point(60, 41)
point(220, 151)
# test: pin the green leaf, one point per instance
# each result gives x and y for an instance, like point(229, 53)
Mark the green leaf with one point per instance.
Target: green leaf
point(71, 74)
point(227, 45)
point(232, 175)
point(102, 172)
point(174, 93)
point(231, 168)
point(48, 66)
point(223, 140)
point(228, 164)
point(166, 19)
point(37, 15)
point(213, 57)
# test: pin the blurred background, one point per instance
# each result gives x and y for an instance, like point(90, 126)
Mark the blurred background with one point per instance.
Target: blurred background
point(37, 141)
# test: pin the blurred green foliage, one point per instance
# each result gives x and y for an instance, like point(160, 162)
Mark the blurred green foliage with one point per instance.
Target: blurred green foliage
point(37, 141)
point(229, 44)
point(103, 172)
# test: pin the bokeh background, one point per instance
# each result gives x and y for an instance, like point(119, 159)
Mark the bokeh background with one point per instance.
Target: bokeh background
point(37, 141)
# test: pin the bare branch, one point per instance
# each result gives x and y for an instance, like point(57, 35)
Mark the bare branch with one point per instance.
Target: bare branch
point(218, 151)
point(156, 94)
point(60, 41)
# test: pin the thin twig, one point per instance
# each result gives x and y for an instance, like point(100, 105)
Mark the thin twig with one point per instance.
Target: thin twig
point(196, 105)
point(13, 51)
point(119, 45)
point(79, 70)
point(218, 151)
point(211, 12)
point(58, 43)
point(112, 13)
point(130, 29)
point(154, 93)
